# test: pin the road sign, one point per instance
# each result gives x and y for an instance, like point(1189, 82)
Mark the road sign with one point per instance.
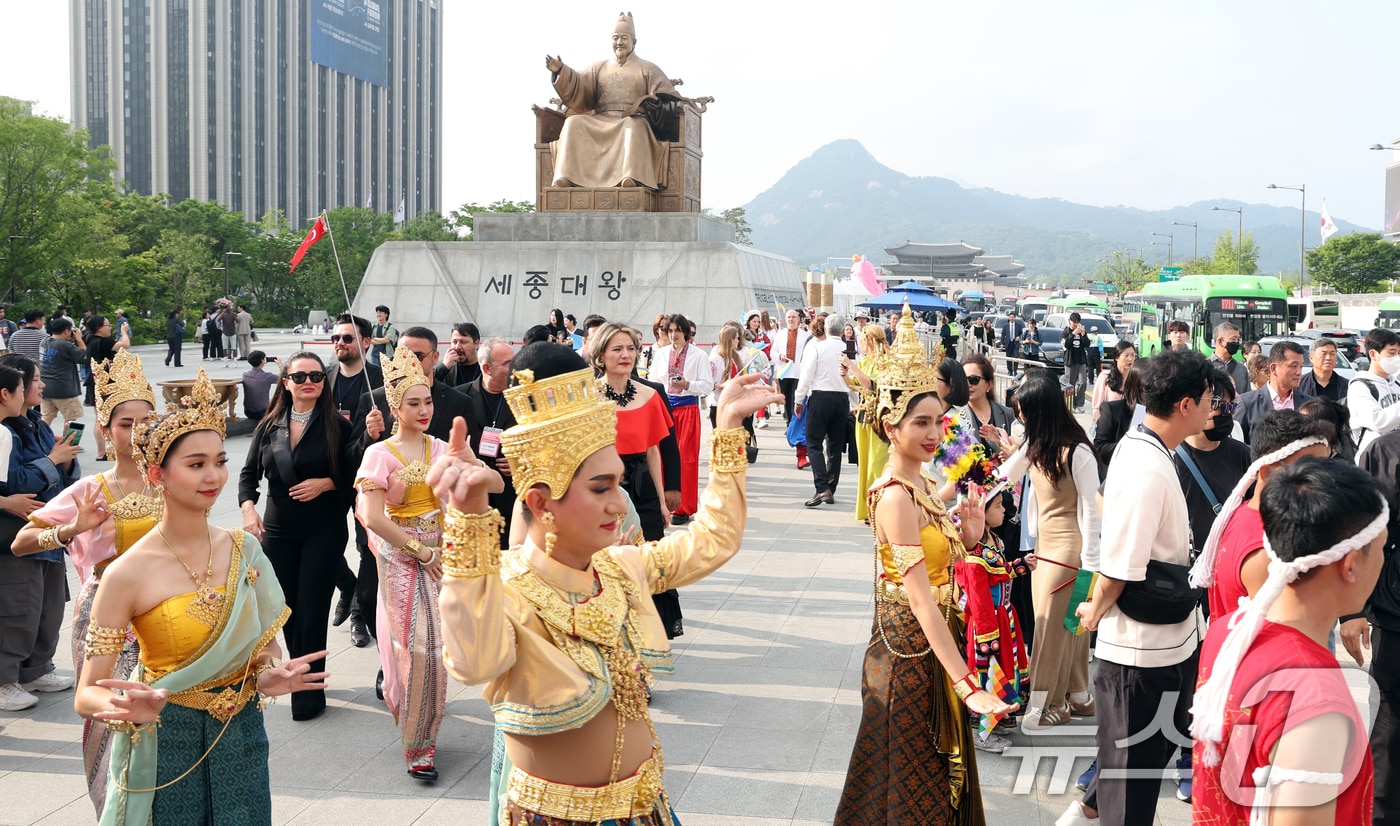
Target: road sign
point(1169, 274)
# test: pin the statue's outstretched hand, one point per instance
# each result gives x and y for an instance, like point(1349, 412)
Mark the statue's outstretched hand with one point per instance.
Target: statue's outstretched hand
point(553, 64)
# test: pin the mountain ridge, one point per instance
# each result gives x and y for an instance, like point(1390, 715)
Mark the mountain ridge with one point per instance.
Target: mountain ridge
point(841, 200)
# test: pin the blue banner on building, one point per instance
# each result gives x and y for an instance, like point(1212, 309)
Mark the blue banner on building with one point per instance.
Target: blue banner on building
point(351, 37)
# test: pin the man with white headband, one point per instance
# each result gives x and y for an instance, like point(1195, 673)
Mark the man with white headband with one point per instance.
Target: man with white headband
point(1275, 726)
point(1232, 563)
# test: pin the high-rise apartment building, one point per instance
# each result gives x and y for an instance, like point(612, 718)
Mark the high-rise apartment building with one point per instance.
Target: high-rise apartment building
point(297, 105)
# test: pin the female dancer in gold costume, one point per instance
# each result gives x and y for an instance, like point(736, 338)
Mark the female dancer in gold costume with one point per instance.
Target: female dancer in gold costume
point(913, 761)
point(97, 519)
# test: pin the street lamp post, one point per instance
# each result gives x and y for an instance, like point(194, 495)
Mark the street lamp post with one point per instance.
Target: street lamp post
point(1170, 244)
point(1302, 234)
point(225, 268)
point(1239, 239)
point(1137, 250)
point(1195, 236)
point(1169, 250)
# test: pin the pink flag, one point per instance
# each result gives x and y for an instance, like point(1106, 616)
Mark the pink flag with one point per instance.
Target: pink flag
point(864, 272)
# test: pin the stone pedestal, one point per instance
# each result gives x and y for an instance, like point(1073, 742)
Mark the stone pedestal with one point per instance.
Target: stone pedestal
point(625, 267)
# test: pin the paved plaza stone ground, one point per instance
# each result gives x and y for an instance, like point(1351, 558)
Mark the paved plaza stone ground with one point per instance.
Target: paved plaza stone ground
point(757, 722)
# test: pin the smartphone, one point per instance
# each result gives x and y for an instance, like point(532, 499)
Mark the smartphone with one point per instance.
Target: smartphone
point(73, 433)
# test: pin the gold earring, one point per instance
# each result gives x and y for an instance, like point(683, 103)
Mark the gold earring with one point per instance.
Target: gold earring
point(550, 536)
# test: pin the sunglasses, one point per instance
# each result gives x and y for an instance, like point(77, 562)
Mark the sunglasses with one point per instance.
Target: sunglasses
point(299, 377)
point(973, 381)
point(1219, 405)
point(343, 339)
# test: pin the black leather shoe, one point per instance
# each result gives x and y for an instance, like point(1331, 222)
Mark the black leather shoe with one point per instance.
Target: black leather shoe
point(342, 608)
point(379, 685)
point(359, 633)
point(423, 773)
point(816, 500)
point(679, 518)
point(829, 498)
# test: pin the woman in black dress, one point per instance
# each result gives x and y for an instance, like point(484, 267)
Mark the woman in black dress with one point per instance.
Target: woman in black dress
point(101, 347)
point(303, 447)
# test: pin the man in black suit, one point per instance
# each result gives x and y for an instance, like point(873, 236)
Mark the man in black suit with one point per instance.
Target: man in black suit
point(349, 381)
point(1281, 391)
point(488, 415)
point(1011, 340)
point(459, 367)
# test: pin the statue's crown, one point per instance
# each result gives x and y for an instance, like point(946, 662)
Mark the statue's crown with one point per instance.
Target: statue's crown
point(560, 421)
point(624, 23)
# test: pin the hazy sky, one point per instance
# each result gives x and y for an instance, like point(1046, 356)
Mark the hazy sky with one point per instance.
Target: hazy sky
point(1145, 105)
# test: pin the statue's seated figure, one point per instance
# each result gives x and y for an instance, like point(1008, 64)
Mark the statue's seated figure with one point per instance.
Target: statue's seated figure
point(619, 115)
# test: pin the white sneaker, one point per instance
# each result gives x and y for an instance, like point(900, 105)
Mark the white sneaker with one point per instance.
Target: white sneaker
point(994, 744)
point(52, 681)
point(761, 424)
point(1074, 816)
point(14, 698)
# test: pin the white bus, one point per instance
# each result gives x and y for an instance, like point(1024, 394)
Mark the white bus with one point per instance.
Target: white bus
point(1314, 313)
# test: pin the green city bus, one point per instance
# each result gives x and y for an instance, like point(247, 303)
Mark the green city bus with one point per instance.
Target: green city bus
point(1388, 314)
point(1257, 304)
point(1079, 304)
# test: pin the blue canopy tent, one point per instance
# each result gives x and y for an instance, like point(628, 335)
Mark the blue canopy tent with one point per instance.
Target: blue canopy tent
point(918, 300)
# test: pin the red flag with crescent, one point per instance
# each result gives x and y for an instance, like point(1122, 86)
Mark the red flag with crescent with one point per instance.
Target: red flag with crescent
point(318, 231)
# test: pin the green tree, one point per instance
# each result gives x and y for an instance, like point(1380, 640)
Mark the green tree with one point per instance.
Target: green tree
point(186, 263)
point(735, 217)
point(1355, 263)
point(461, 218)
point(1229, 257)
point(1124, 273)
point(42, 163)
point(428, 226)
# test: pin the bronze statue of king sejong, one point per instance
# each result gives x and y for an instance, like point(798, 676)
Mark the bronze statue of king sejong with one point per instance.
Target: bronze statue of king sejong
point(614, 110)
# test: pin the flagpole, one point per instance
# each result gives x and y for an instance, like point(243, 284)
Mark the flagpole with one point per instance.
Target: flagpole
point(345, 290)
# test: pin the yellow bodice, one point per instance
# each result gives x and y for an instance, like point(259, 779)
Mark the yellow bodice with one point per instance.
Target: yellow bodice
point(937, 557)
point(418, 498)
point(133, 516)
point(169, 636)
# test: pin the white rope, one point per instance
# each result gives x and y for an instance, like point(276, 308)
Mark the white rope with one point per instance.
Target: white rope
point(1203, 572)
point(1208, 711)
point(1267, 777)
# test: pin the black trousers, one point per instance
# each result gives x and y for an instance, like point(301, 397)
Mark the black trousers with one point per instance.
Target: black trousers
point(32, 597)
point(1385, 734)
point(826, 414)
point(307, 553)
point(173, 351)
point(207, 350)
point(788, 387)
point(366, 583)
point(1136, 703)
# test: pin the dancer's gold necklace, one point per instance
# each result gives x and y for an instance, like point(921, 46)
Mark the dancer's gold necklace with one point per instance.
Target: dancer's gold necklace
point(208, 601)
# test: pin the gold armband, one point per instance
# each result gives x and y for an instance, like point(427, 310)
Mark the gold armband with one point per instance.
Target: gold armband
point(134, 729)
point(472, 543)
point(102, 641)
point(963, 687)
point(727, 454)
point(48, 540)
point(413, 548)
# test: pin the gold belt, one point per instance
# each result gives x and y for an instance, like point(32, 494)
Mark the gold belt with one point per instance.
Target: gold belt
point(890, 592)
point(221, 705)
point(632, 797)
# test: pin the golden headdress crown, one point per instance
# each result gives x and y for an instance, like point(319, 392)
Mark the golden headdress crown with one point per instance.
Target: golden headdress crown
point(120, 380)
point(200, 410)
point(401, 372)
point(560, 421)
point(905, 371)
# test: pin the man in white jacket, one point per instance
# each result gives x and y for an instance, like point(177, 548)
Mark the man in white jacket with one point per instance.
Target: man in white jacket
point(1374, 396)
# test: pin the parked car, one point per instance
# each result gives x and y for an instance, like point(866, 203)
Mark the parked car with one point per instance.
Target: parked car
point(1096, 324)
point(1052, 350)
point(1345, 340)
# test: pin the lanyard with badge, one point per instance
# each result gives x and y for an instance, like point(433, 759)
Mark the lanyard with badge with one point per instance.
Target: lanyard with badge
point(490, 446)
